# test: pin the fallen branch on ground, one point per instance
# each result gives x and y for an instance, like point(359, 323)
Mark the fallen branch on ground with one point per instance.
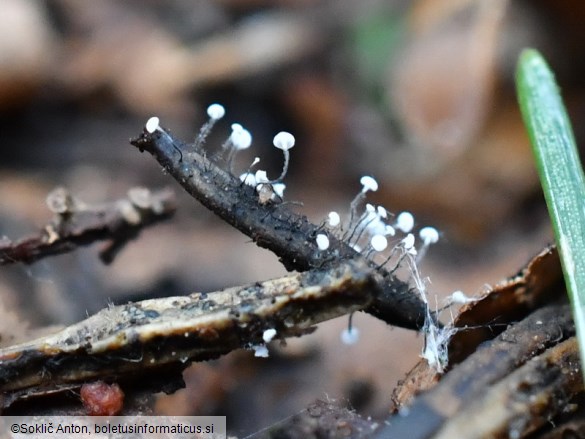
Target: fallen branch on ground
point(77, 224)
point(143, 338)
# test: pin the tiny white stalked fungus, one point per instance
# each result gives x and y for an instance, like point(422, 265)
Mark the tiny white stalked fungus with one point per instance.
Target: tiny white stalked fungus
point(152, 124)
point(405, 222)
point(379, 243)
point(333, 219)
point(215, 111)
point(322, 241)
point(284, 141)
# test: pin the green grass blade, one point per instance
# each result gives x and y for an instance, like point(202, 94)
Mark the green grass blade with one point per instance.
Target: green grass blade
point(560, 171)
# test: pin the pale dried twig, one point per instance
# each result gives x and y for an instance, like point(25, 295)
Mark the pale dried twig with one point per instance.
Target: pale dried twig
point(126, 341)
point(77, 224)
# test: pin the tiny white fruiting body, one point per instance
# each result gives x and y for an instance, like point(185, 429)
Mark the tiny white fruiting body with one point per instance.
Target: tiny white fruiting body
point(333, 219)
point(369, 184)
point(268, 335)
point(215, 111)
point(459, 297)
point(372, 220)
point(379, 243)
point(152, 124)
point(248, 178)
point(408, 241)
point(240, 137)
point(284, 141)
point(260, 351)
point(322, 241)
point(279, 188)
point(429, 235)
point(350, 336)
point(261, 177)
point(405, 222)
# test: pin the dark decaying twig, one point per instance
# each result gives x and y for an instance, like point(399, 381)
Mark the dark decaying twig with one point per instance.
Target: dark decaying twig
point(145, 338)
point(525, 400)
point(509, 387)
point(273, 226)
point(76, 224)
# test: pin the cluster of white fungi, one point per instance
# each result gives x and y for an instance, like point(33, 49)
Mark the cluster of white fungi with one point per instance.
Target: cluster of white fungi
point(385, 239)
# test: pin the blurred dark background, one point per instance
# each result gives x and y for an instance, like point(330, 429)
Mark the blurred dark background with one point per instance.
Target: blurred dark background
point(418, 94)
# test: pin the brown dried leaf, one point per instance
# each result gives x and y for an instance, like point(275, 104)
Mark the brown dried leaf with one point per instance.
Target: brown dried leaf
point(539, 282)
point(512, 300)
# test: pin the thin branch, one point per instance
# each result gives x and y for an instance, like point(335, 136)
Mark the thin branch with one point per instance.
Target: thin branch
point(76, 224)
point(273, 226)
point(145, 338)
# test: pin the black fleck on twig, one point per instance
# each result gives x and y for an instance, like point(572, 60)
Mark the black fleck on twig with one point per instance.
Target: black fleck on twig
point(143, 338)
point(77, 224)
point(273, 226)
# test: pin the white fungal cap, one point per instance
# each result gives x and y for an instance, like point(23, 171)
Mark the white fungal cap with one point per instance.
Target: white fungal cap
point(389, 230)
point(322, 241)
point(405, 222)
point(333, 219)
point(373, 221)
point(215, 111)
point(260, 351)
point(350, 336)
point(152, 124)
point(369, 184)
point(429, 235)
point(460, 297)
point(268, 335)
point(240, 137)
point(255, 162)
point(284, 141)
point(261, 177)
point(279, 188)
point(248, 178)
point(382, 213)
point(408, 241)
point(379, 243)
